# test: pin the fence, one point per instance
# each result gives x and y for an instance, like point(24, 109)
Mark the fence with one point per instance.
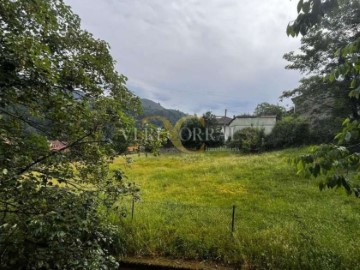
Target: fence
point(222, 149)
point(225, 220)
point(188, 215)
point(225, 233)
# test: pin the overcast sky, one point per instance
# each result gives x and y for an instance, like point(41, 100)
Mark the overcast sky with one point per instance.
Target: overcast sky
point(198, 55)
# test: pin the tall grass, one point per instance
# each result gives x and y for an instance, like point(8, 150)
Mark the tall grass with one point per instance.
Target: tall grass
point(282, 220)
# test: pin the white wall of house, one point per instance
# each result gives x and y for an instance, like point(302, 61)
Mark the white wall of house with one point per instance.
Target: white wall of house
point(265, 122)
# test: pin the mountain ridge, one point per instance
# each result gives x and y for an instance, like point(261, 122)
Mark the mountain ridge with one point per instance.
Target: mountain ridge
point(151, 108)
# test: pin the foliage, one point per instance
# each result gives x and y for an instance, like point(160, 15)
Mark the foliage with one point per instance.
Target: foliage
point(311, 13)
point(269, 109)
point(197, 133)
point(65, 230)
point(217, 137)
point(290, 131)
point(121, 141)
point(337, 164)
point(331, 39)
point(57, 83)
point(151, 138)
point(337, 28)
point(318, 100)
point(324, 105)
point(248, 140)
point(193, 133)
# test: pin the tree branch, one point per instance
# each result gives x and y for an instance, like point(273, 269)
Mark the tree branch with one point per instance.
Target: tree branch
point(52, 154)
point(24, 120)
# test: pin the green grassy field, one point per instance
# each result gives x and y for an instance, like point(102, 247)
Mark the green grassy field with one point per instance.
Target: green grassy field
point(282, 220)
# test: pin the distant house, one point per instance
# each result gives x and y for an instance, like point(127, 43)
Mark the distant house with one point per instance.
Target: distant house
point(223, 122)
point(57, 145)
point(231, 125)
point(240, 122)
point(133, 148)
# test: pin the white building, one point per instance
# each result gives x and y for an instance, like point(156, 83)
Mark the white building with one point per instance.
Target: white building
point(240, 122)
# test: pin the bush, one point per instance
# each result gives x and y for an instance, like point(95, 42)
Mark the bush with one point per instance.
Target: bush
point(54, 238)
point(289, 131)
point(325, 130)
point(192, 134)
point(248, 140)
point(61, 228)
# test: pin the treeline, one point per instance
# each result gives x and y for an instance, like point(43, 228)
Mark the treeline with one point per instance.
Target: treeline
point(291, 129)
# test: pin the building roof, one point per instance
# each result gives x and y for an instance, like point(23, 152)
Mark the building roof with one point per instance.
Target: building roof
point(251, 117)
point(223, 120)
point(57, 145)
point(255, 116)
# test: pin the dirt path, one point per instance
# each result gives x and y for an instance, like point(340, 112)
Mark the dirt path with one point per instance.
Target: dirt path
point(168, 264)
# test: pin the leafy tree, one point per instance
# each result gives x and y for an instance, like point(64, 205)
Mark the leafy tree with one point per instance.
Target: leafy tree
point(338, 164)
point(269, 109)
point(53, 203)
point(317, 58)
point(248, 140)
point(336, 24)
point(324, 105)
point(215, 136)
point(151, 138)
point(196, 133)
point(193, 133)
point(290, 131)
point(122, 139)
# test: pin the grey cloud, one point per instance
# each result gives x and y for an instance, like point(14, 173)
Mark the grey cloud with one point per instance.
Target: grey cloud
point(197, 55)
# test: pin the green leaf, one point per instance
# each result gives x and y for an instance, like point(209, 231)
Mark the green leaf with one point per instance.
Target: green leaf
point(348, 136)
point(346, 121)
point(315, 171)
point(334, 181)
point(355, 93)
point(346, 185)
point(299, 6)
point(290, 31)
point(353, 83)
point(338, 52)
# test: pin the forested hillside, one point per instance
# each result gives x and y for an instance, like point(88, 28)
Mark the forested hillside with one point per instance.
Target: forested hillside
point(151, 108)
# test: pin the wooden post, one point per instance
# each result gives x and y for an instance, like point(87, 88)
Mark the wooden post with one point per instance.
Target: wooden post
point(233, 220)
point(132, 209)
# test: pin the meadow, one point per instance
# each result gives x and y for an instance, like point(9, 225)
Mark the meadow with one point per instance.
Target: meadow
point(282, 220)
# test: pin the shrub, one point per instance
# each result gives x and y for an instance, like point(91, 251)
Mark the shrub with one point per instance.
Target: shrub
point(289, 131)
point(192, 134)
point(61, 228)
point(247, 139)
